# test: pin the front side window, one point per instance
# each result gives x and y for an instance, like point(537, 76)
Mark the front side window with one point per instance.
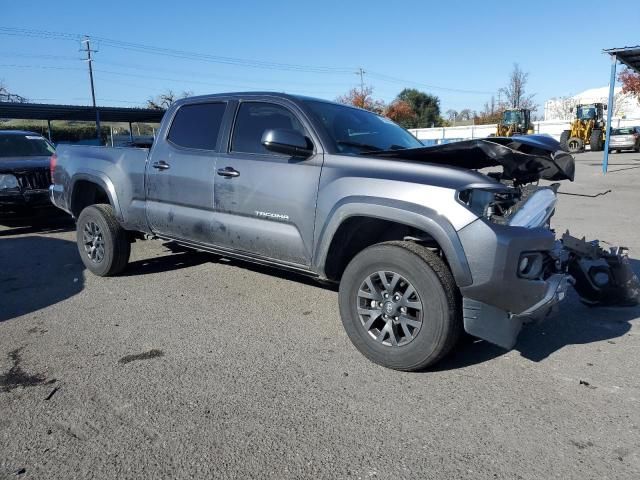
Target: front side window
point(254, 118)
point(354, 131)
point(197, 126)
point(512, 117)
point(586, 113)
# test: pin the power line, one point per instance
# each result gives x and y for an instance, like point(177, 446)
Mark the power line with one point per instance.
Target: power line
point(176, 53)
point(388, 78)
point(182, 54)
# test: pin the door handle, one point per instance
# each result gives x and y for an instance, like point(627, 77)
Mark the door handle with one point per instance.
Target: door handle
point(228, 172)
point(161, 165)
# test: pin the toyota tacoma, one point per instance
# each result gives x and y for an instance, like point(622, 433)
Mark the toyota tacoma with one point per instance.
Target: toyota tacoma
point(425, 242)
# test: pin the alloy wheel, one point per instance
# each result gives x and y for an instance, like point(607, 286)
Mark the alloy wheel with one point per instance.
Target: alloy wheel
point(389, 308)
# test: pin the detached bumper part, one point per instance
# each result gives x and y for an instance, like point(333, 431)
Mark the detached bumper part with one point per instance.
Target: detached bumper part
point(500, 327)
point(601, 277)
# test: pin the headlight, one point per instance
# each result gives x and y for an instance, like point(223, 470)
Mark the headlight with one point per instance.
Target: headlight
point(536, 210)
point(8, 181)
point(488, 203)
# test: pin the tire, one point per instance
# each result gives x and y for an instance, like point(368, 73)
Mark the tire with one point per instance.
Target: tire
point(595, 141)
point(575, 145)
point(394, 343)
point(110, 248)
point(564, 136)
point(618, 151)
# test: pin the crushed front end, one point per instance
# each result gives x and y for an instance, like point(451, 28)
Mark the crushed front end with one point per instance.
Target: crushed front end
point(521, 271)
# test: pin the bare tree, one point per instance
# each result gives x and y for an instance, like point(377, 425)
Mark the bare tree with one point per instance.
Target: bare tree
point(451, 115)
point(562, 108)
point(465, 115)
point(164, 100)
point(515, 92)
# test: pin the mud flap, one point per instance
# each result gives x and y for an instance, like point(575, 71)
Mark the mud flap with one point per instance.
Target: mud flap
point(601, 277)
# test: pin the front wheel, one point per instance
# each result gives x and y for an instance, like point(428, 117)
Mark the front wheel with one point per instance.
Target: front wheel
point(564, 137)
point(399, 305)
point(102, 242)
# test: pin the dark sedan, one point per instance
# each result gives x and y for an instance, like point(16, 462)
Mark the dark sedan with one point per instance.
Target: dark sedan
point(25, 159)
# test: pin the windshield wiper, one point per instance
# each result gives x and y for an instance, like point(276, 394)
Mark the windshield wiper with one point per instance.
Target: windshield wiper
point(392, 148)
point(359, 145)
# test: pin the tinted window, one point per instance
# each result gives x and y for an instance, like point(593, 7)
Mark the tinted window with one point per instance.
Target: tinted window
point(197, 125)
point(623, 131)
point(14, 145)
point(256, 117)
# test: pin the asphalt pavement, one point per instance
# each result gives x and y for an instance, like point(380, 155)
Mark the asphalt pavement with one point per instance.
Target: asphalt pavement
point(194, 366)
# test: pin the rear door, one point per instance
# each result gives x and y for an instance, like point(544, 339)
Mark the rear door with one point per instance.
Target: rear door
point(265, 202)
point(181, 170)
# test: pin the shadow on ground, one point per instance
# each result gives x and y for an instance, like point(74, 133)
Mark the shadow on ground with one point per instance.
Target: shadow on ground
point(184, 257)
point(574, 324)
point(43, 220)
point(36, 272)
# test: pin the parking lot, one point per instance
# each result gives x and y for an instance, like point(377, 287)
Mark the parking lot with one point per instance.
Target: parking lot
point(194, 366)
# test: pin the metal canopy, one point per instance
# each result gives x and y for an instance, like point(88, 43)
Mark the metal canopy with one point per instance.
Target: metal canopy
point(629, 56)
point(44, 111)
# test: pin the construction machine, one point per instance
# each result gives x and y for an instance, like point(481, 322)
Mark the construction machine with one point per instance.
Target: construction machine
point(515, 121)
point(588, 128)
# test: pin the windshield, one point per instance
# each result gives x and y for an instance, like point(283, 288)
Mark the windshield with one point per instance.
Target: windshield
point(586, 112)
point(623, 131)
point(15, 145)
point(354, 131)
point(512, 117)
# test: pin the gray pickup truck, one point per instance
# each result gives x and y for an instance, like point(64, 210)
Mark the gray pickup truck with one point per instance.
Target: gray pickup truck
point(421, 242)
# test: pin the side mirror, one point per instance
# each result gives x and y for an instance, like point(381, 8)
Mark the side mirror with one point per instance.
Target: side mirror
point(287, 142)
point(604, 106)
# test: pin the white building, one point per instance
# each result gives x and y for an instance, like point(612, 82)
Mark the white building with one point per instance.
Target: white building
point(626, 106)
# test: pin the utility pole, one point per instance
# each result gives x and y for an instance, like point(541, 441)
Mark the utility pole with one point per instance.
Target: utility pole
point(361, 72)
point(89, 61)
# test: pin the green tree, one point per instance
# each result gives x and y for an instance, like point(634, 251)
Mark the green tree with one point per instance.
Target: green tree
point(425, 106)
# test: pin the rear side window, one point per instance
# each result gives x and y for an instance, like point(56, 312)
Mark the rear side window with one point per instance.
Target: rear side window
point(256, 117)
point(197, 125)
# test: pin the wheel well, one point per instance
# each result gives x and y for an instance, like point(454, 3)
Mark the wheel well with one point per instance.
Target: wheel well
point(357, 233)
point(86, 193)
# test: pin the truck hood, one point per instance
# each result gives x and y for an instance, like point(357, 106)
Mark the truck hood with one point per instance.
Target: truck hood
point(21, 164)
point(524, 159)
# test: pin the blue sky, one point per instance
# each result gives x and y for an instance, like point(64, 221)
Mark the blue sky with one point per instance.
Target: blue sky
point(455, 45)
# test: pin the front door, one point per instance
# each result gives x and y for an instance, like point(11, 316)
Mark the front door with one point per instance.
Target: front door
point(181, 174)
point(265, 202)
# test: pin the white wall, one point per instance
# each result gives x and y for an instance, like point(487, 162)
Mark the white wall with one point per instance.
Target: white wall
point(449, 134)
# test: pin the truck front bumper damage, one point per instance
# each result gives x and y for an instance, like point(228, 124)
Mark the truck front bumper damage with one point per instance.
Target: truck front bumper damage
point(500, 327)
point(499, 301)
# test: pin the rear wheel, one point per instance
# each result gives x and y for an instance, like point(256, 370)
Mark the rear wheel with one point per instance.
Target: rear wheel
point(103, 244)
point(564, 137)
point(595, 142)
point(575, 145)
point(399, 305)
